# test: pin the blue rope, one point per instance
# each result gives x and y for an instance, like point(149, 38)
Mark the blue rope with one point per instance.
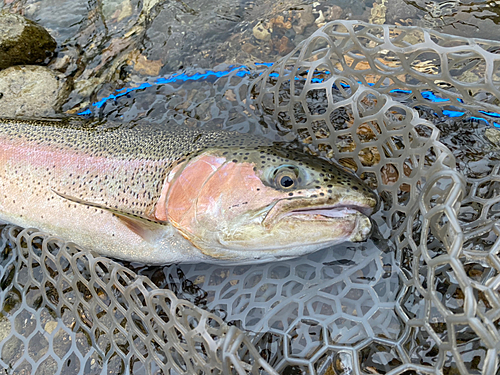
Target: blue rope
point(243, 70)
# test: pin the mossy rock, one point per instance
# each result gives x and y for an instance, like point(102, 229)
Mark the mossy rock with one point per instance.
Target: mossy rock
point(22, 41)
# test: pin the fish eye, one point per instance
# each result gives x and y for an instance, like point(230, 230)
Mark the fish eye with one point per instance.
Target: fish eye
point(285, 177)
point(286, 181)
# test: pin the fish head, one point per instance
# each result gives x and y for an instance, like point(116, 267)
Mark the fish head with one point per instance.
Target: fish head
point(263, 203)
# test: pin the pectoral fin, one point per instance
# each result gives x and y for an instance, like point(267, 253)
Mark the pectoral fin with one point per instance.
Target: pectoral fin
point(142, 226)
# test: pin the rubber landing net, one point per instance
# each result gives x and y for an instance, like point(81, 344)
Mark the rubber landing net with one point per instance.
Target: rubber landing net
point(422, 297)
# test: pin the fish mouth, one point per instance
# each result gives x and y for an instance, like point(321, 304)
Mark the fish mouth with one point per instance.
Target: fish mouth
point(284, 209)
point(338, 210)
point(292, 227)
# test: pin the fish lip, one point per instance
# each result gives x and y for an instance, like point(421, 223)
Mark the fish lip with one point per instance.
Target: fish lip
point(365, 209)
point(277, 211)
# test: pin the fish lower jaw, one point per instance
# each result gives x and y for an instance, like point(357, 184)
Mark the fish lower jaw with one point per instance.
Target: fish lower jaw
point(290, 237)
point(234, 256)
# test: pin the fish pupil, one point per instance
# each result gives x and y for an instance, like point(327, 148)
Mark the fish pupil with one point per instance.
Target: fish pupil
point(286, 181)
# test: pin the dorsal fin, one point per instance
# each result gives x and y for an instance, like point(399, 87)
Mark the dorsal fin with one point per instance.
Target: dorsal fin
point(142, 226)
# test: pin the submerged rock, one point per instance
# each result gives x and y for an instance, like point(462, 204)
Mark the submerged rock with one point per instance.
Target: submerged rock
point(31, 91)
point(22, 41)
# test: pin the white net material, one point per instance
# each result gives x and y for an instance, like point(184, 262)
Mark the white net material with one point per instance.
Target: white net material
point(70, 311)
point(422, 297)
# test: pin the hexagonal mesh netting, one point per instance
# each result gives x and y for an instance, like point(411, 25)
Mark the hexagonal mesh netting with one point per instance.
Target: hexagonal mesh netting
point(73, 312)
point(422, 297)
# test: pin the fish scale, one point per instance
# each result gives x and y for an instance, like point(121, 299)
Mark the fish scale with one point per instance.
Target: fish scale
point(157, 152)
point(176, 194)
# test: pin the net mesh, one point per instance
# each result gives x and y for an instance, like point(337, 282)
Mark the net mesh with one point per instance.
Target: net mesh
point(71, 311)
point(423, 296)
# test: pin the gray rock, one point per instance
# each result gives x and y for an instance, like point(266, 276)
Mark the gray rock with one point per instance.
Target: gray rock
point(31, 91)
point(398, 10)
point(4, 328)
point(22, 41)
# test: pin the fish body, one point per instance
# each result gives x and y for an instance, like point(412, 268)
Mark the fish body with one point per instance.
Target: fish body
point(176, 195)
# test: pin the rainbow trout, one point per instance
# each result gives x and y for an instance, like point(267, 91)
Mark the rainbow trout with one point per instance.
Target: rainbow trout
point(177, 195)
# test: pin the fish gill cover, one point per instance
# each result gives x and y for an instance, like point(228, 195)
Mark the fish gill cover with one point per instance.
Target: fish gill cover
point(430, 303)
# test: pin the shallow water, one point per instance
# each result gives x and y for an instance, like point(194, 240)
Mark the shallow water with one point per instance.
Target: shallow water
point(110, 44)
point(335, 299)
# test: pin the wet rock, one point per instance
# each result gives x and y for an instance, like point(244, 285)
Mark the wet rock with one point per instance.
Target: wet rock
point(197, 33)
point(320, 21)
point(333, 13)
point(22, 41)
point(493, 136)
point(305, 18)
point(262, 32)
point(31, 91)
point(116, 11)
point(326, 13)
point(279, 22)
point(4, 328)
point(378, 12)
point(282, 45)
point(398, 10)
point(247, 47)
point(144, 66)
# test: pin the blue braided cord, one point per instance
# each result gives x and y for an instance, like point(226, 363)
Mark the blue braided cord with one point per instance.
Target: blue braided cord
point(243, 70)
